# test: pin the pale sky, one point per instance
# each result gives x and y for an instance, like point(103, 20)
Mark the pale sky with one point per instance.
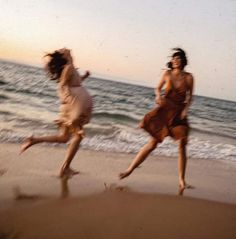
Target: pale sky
point(127, 40)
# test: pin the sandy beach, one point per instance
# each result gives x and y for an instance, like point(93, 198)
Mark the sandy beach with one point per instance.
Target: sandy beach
point(35, 203)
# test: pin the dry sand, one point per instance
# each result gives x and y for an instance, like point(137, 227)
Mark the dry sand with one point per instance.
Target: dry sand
point(35, 203)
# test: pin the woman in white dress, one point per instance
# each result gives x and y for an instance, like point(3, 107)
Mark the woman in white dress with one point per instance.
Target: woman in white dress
point(75, 109)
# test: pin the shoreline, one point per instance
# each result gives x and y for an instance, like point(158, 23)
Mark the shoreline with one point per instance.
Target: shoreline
point(201, 146)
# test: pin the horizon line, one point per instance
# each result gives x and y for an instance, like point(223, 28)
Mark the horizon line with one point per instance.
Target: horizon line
point(108, 78)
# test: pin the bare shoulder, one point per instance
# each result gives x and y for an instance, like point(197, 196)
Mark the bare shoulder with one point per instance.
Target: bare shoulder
point(68, 68)
point(166, 77)
point(67, 71)
point(189, 77)
point(166, 74)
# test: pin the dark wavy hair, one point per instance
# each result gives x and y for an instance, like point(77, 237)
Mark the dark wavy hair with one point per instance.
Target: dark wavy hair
point(55, 65)
point(180, 53)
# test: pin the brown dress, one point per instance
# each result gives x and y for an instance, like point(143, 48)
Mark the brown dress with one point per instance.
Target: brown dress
point(165, 120)
point(76, 103)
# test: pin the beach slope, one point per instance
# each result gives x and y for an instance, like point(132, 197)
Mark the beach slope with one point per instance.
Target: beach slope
point(35, 203)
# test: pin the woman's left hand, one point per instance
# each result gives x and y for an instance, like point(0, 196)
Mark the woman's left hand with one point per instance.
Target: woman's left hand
point(87, 73)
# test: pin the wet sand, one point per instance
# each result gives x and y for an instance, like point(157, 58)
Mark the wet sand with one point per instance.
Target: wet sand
point(35, 203)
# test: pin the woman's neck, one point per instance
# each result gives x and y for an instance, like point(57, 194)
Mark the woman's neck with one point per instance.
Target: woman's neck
point(177, 71)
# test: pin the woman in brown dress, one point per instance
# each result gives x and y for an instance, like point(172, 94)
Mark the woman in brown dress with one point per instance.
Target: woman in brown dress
point(75, 109)
point(169, 118)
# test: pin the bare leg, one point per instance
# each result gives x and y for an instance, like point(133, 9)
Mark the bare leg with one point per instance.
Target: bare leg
point(141, 156)
point(63, 137)
point(64, 187)
point(182, 163)
point(72, 149)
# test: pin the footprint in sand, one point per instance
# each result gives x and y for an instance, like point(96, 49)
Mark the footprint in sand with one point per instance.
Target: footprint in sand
point(18, 195)
point(2, 171)
point(115, 187)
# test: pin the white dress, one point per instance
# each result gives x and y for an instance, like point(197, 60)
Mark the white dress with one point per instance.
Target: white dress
point(76, 103)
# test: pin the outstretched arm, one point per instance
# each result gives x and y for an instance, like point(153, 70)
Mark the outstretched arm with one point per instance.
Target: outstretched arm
point(86, 75)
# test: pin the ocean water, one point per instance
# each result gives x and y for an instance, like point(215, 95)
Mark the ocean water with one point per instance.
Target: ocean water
point(29, 104)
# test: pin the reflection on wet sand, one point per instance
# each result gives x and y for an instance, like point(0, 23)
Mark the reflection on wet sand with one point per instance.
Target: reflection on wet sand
point(9, 235)
point(65, 192)
point(181, 190)
point(19, 195)
point(22, 196)
point(2, 171)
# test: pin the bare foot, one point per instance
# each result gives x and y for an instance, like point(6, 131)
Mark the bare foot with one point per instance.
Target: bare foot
point(26, 144)
point(183, 186)
point(125, 174)
point(68, 172)
point(18, 195)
